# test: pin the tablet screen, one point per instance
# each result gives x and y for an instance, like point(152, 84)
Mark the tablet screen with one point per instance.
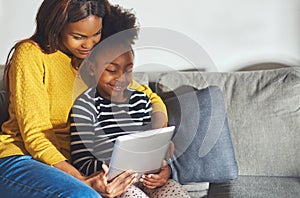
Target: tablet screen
point(142, 152)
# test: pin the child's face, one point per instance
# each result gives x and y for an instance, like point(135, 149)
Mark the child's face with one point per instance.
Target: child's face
point(115, 77)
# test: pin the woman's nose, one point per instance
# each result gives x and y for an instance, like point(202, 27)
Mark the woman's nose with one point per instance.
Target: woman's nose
point(88, 43)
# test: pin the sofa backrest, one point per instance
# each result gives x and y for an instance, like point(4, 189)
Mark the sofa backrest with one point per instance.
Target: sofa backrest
point(1, 76)
point(263, 110)
point(3, 114)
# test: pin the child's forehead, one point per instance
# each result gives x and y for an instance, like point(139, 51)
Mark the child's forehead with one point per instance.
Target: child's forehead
point(113, 51)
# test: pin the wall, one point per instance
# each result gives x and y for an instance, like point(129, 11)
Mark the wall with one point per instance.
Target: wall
point(227, 34)
point(17, 21)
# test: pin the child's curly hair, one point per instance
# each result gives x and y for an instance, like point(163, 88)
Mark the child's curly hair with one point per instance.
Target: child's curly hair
point(119, 20)
point(120, 28)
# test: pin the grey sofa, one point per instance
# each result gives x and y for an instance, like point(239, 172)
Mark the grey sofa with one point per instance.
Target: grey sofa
point(263, 109)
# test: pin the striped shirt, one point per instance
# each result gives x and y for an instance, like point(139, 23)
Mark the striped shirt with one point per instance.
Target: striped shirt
point(96, 123)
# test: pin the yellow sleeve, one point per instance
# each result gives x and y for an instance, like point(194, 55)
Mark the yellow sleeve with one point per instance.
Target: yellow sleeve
point(157, 104)
point(29, 98)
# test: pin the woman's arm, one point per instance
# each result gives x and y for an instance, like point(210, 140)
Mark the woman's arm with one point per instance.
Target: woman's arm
point(29, 102)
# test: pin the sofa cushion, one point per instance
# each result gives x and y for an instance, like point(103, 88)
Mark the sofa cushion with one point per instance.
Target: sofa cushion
point(263, 112)
point(203, 147)
point(256, 186)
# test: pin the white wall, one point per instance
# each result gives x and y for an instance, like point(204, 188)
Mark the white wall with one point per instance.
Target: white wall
point(232, 33)
point(17, 21)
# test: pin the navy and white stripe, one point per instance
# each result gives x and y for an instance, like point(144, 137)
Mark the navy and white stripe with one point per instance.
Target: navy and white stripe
point(97, 122)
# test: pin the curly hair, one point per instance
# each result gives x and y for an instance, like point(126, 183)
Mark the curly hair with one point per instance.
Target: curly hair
point(120, 29)
point(120, 20)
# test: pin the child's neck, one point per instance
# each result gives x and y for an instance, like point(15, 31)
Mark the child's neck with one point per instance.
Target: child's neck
point(122, 97)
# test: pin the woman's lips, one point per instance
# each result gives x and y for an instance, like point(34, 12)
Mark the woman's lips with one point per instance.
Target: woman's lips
point(84, 52)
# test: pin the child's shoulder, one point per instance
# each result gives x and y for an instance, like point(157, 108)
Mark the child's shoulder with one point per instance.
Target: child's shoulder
point(87, 95)
point(137, 94)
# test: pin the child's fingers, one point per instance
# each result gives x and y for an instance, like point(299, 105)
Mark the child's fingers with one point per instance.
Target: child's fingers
point(170, 151)
point(151, 180)
point(150, 183)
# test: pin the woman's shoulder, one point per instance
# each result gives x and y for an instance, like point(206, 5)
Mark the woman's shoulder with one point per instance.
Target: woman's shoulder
point(27, 51)
point(28, 46)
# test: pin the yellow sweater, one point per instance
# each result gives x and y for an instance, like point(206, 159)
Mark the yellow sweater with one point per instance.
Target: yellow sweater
point(42, 93)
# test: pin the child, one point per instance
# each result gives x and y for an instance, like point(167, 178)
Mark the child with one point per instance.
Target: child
point(110, 109)
point(104, 112)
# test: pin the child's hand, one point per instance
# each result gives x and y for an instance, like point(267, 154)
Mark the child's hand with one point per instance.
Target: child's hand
point(157, 180)
point(170, 151)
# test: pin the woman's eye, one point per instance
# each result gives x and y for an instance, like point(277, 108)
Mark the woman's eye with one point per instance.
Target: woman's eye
point(78, 37)
point(98, 33)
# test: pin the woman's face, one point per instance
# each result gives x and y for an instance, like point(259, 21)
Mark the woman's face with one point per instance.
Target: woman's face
point(79, 38)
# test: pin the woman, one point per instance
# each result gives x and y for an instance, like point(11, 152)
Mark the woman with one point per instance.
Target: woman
point(40, 77)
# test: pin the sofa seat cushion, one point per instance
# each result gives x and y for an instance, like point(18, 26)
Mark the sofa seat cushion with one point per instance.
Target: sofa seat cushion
point(197, 190)
point(257, 186)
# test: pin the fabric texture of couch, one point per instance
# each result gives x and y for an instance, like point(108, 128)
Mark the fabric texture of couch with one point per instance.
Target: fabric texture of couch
point(263, 109)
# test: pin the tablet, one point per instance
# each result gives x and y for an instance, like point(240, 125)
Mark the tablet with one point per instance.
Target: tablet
point(142, 152)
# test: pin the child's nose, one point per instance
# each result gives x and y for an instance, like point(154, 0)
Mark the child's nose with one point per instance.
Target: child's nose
point(121, 77)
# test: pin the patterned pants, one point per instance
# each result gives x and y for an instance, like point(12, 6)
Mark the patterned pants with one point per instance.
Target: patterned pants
point(170, 189)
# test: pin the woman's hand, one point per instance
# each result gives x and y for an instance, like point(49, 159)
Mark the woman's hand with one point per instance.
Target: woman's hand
point(98, 181)
point(157, 180)
point(113, 188)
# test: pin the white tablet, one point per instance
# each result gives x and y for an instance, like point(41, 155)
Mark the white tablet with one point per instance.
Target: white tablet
point(142, 152)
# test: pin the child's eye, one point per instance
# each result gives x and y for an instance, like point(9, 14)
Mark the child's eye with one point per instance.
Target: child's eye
point(111, 70)
point(129, 71)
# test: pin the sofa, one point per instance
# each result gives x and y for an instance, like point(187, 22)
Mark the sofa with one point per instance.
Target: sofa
point(263, 113)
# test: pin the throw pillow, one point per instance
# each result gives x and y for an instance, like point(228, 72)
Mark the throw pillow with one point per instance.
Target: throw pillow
point(203, 148)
